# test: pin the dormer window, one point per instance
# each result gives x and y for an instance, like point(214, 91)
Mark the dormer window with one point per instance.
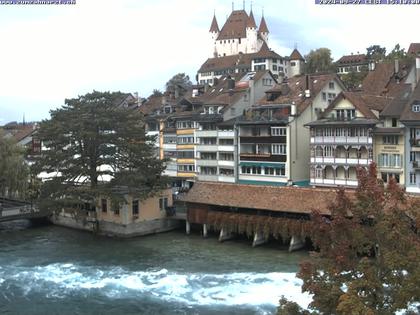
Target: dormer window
point(416, 108)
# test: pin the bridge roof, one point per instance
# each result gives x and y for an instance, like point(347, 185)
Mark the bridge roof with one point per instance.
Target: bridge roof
point(274, 198)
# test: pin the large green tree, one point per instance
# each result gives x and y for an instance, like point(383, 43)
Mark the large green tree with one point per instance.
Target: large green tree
point(180, 82)
point(319, 60)
point(376, 53)
point(14, 171)
point(92, 148)
point(368, 254)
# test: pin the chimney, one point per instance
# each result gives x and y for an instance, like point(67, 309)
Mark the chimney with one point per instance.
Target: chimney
point(372, 66)
point(417, 68)
point(293, 109)
point(307, 89)
point(176, 92)
point(251, 91)
point(396, 65)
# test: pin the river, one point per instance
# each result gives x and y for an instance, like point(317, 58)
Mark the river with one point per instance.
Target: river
point(54, 270)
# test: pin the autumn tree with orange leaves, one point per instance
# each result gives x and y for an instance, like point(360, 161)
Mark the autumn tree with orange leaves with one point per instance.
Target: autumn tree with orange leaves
point(367, 254)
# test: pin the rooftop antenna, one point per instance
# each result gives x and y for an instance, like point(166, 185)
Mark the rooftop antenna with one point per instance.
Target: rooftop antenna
point(233, 6)
point(251, 6)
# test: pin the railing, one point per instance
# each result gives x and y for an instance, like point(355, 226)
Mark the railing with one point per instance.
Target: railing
point(339, 160)
point(332, 139)
point(334, 182)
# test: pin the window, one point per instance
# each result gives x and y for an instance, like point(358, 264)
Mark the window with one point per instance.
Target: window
point(278, 131)
point(412, 178)
point(293, 64)
point(274, 67)
point(226, 156)
point(331, 85)
point(253, 170)
point(163, 203)
point(274, 171)
point(225, 141)
point(387, 176)
point(390, 140)
point(329, 151)
point(412, 156)
point(416, 108)
point(185, 154)
point(226, 172)
point(169, 139)
point(185, 140)
point(394, 122)
point(104, 205)
point(331, 95)
point(390, 160)
point(135, 207)
point(185, 124)
point(324, 96)
point(278, 149)
point(186, 168)
point(205, 170)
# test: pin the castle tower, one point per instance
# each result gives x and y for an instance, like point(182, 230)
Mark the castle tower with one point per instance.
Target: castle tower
point(214, 33)
point(263, 30)
point(251, 34)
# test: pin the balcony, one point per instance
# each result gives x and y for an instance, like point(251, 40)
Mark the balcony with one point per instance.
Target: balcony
point(226, 134)
point(228, 163)
point(206, 148)
point(339, 160)
point(334, 182)
point(415, 165)
point(206, 133)
point(203, 162)
point(264, 157)
point(207, 178)
point(341, 140)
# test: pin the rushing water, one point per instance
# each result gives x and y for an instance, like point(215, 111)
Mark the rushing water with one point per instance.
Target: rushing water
point(53, 270)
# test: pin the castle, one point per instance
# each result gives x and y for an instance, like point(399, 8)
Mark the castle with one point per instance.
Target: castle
point(240, 47)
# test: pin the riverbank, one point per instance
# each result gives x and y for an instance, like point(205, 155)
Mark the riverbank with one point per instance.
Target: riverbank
point(49, 269)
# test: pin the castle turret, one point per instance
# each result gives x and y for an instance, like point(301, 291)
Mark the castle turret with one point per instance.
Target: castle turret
point(214, 33)
point(251, 34)
point(263, 30)
point(297, 63)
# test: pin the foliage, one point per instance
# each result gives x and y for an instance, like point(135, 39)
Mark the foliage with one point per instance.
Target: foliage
point(368, 251)
point(319, 60)
point(179, 82)
point(376, 53)
point(93, 148)
point(353, 79)
point(157, 92)
point(14, 172)
point(290, 308)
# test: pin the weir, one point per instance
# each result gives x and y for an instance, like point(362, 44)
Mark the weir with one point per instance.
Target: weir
point(259, 239)
point(225, 236)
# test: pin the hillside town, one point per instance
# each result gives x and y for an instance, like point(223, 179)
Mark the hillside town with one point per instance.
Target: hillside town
point(257, 118)
point(260, 147)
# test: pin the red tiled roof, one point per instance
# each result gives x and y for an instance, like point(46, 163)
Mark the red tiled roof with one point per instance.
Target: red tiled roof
point(295, 90)
point(235, 26)
point(414, 49)
point(263, 26)
point(239, 60)
point(251, 21)
point(352, 59)
point(284, 199)
point(295, 55)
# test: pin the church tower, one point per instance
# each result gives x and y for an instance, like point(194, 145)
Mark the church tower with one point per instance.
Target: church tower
point(251, 34)
point(214, 33)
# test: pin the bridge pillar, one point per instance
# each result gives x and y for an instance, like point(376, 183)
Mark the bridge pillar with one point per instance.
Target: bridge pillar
point(224, 235)
point(204, 230)
point(296, 243)
point(259, 239)
point(187, 227)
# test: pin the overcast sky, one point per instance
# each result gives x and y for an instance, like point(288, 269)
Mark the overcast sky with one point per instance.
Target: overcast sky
point(49, 53)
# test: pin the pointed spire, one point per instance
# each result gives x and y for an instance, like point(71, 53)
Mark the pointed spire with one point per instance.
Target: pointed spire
point(214, 28)
point(250, 23)
point(263, 26)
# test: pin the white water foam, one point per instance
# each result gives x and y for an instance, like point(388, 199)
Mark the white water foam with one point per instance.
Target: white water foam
point(192, 289)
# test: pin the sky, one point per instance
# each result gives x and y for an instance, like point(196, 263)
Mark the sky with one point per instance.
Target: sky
point(52, 52)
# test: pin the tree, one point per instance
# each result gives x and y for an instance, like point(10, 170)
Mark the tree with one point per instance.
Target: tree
point(376, 53)
point(14, 172)
point(179, 82)
point(156, 93)
point(398, 53)
point(319, 60)
point(96, 148)
point(353, 79)
point(368, 251)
